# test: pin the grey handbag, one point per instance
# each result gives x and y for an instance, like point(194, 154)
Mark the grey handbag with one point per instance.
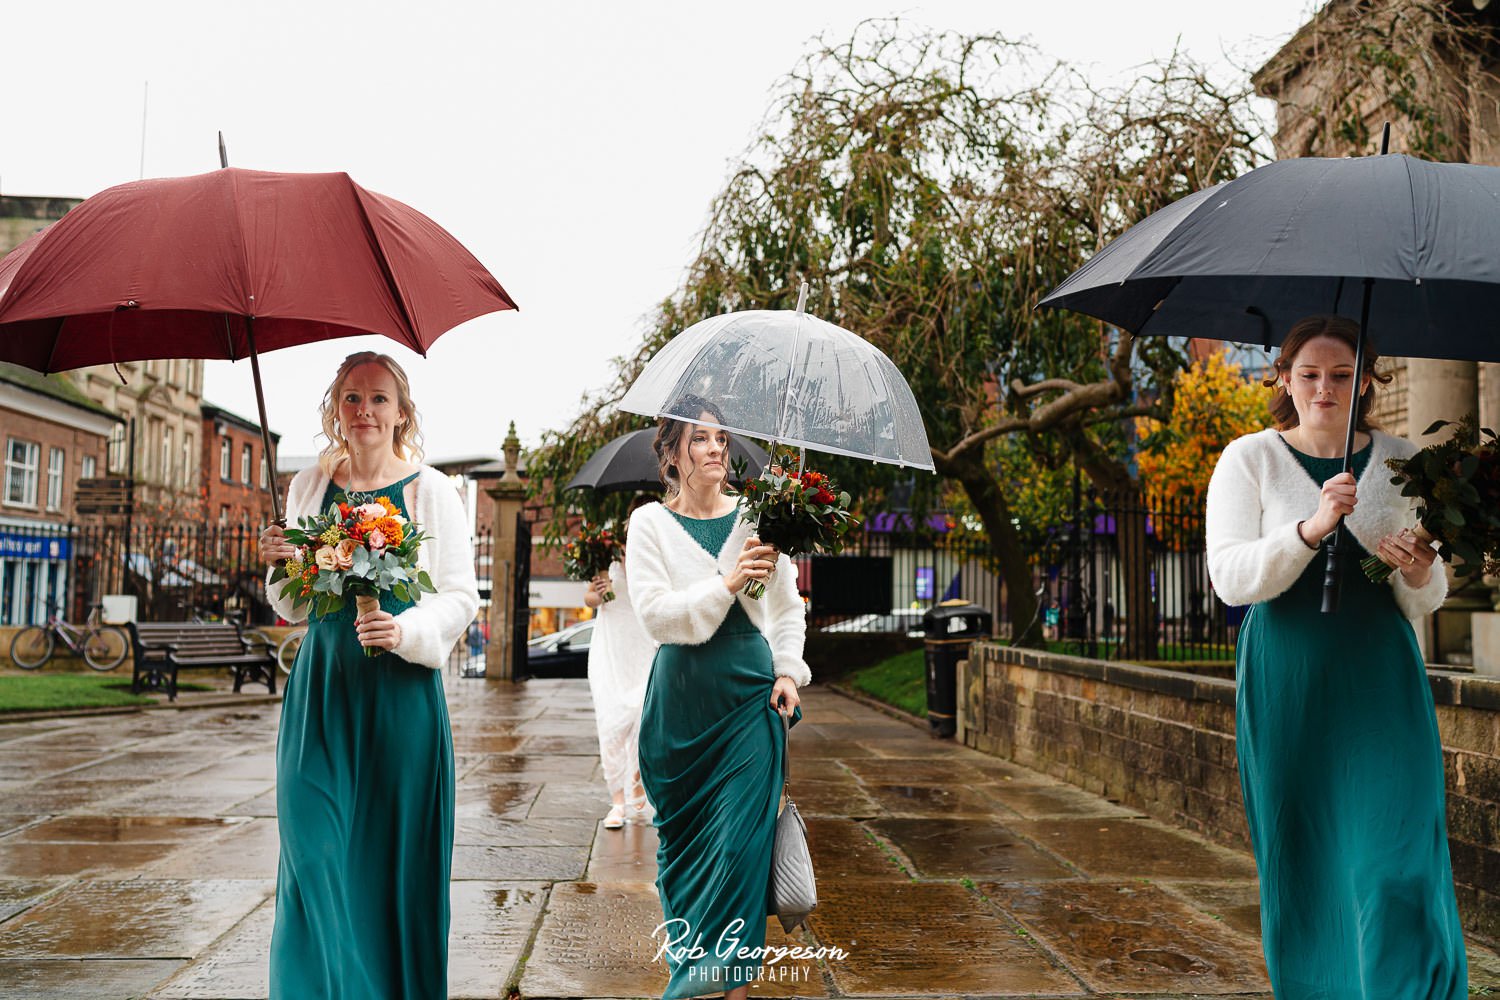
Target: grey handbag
point(794, 891)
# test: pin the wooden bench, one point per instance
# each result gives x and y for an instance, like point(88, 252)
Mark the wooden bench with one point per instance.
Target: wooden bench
point(163, 648)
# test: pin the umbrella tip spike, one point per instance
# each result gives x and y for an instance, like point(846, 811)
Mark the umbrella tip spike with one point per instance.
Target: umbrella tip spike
point(802, 298)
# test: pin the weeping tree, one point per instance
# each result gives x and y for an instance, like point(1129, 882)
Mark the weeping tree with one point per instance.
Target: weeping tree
point(931, 188)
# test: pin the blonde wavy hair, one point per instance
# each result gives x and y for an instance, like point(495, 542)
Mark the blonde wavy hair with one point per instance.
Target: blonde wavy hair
point(407, 440)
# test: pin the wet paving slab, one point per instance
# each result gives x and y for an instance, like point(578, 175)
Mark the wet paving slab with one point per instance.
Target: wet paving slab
point(577, 831)
point(525, 767)
point(929, 939)
point(1133, 937)
point(1137, 848)
point(28, 765)
point(843, 850)
point(562, 799)
point(847, 798)
point(51, 979)
point(624, 855)
point(970, 848)
point(17, 894)
point(142, 918)
point(492, 925)
point(62, 794)
point(1054, 801)
point(501, 799)
point(1235, 904)
point(200, 796)
point(247, 851)
point(235, 966)
point(519, 864)
point(934, 800)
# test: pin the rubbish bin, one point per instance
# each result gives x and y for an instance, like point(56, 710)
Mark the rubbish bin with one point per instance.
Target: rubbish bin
point(951, 628)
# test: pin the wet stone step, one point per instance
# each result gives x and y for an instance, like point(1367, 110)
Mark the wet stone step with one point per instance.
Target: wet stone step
point(969, 848)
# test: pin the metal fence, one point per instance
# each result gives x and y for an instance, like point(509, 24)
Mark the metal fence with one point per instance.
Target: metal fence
point(1122, 577)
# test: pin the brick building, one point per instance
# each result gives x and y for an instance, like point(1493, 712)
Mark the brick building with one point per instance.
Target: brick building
point(236, 480)
point(53, 435)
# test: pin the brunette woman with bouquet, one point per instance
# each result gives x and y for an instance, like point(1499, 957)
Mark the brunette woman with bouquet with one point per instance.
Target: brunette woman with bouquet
point(364, 762)
point(1341, 768)
point(711, 740)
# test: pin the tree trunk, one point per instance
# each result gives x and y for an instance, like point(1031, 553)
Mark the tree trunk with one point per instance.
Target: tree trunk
point(1005, 545)
point(1132, 543)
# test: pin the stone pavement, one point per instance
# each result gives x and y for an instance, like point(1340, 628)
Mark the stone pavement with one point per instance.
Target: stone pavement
point(138, 858)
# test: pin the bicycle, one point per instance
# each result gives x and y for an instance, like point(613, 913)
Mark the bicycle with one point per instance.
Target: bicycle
point(286, 653)
point(103, 647)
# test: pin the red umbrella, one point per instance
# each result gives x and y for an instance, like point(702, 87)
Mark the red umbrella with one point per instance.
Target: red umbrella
point(227, 264)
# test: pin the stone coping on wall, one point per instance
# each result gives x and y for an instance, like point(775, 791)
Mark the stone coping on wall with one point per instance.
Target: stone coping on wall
point(1449, 687)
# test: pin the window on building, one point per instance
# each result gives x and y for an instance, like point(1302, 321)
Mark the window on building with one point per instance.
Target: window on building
point(167, 454)
point(265, 473)
point(90, 467)
point(226, 450)
point(56, 459)
point(117, 459)
point(22, 459)
point(245, 464)
point(188, 465)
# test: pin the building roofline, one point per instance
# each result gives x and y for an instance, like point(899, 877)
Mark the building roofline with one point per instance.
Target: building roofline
point(212, 411)
point(58, 387)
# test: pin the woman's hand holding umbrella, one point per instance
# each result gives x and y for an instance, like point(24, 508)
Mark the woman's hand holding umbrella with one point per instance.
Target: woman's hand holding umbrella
point(274, 547)
point(1337, 500)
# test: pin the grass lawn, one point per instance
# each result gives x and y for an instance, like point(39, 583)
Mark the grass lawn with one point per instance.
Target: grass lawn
point(900, 681)
point(46, 692)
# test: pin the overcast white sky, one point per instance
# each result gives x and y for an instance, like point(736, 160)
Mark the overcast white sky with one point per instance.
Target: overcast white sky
point(573, 147)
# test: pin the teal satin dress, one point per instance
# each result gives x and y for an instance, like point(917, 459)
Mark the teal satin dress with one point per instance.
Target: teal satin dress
point(711, 749)
point(364, 800)
point(1342, 774)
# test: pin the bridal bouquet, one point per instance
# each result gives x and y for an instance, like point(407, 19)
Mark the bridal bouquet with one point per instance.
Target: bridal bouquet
point(353, 550)
point(590, 554)
point(796, 514)
point(1456, 483)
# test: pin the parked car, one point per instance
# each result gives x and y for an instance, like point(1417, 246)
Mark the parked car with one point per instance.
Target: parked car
point(900, 621)
point(561, 654)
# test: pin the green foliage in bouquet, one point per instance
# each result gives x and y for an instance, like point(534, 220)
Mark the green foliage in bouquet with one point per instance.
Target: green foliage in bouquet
point(1456, 483)
point(353, 550)
point(797, 514)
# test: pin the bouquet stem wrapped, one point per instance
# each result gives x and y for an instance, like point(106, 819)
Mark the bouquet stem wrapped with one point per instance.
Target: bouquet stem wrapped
point(795, 514)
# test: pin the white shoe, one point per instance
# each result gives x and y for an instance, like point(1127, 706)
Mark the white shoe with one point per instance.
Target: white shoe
point(615, 819)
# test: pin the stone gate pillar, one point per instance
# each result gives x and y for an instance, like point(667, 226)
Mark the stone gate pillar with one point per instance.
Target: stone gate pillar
point(509, 496)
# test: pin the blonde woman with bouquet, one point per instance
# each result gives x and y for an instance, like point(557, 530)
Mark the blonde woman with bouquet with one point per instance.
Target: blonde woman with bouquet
point(364, 762)
point(712, 743)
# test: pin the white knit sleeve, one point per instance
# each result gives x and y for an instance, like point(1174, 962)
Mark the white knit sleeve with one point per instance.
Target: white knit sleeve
point(1245, 566)
point(292, 508)
point(786, 624)
point(687, 617)
point(430, 628)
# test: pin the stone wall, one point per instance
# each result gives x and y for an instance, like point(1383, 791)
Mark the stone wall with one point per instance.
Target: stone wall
point(1162, 741)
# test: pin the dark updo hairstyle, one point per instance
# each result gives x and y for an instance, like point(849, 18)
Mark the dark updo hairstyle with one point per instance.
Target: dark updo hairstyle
point(1283, 410)
point(669, 435)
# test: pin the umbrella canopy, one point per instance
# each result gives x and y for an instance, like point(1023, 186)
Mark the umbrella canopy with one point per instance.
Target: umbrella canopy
point(176, 267)
point(628, 464)
point(785, 376)
point(1246, 259)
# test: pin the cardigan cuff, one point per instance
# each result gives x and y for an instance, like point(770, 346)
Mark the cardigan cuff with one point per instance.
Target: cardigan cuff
point(793, 667)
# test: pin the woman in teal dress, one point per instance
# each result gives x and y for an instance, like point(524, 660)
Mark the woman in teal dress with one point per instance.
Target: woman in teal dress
point(1340, 762)
point(364, 760)
point(711, 742)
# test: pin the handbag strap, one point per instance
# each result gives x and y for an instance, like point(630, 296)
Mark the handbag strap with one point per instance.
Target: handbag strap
point(786, 750)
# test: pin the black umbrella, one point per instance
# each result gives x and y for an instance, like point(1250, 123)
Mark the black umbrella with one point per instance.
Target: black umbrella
point(628, 463)
point(1405, 246)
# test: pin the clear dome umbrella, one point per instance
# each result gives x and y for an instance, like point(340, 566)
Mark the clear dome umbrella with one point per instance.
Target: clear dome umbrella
point(788, 378)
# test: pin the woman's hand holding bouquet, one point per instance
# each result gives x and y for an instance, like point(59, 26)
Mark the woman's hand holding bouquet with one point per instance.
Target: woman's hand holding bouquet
point(795, 514)
point(360, 551)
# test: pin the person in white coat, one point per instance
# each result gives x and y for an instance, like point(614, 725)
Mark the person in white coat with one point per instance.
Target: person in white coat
point(712, 743)
point(620, 657)
point(364, 760)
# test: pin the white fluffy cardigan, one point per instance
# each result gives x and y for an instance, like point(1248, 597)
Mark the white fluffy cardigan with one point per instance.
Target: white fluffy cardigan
point(679, 591)
point(1259, 492)
point(430, 628)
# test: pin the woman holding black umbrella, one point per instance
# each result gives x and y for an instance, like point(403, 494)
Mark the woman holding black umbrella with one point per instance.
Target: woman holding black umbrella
point(1340, 762)
point(364, 762)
